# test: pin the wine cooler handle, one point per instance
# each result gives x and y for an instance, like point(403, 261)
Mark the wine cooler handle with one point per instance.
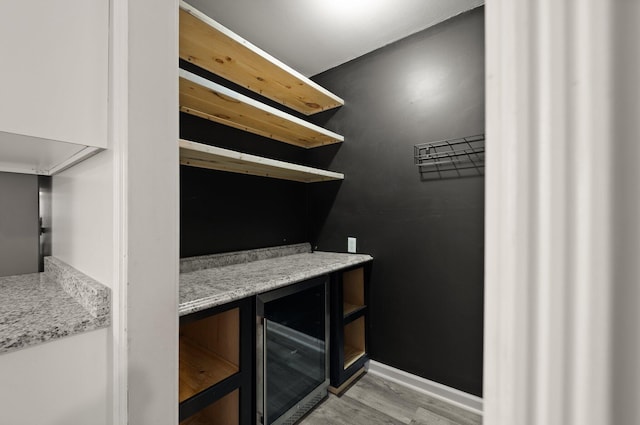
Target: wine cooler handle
point(264, 370)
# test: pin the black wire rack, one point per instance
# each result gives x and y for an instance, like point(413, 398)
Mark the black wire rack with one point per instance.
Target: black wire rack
point(450, 155)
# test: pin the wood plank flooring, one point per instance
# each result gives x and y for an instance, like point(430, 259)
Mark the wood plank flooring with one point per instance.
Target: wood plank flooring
point(373, 400)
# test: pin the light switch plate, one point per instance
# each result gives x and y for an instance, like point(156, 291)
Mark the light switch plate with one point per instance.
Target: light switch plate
point(351, 245)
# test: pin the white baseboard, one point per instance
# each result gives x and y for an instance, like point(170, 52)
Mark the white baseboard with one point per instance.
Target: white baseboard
point(458, 398)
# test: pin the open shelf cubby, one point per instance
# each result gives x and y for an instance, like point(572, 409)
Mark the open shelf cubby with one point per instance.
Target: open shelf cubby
point(211, 46)
point(225, 411)
point(349, 325)
point(354, 341)
point(353, 291)
point(209, 352)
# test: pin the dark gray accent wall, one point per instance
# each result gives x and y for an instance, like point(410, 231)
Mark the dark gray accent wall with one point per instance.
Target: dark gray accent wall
point(19, 228)
point(222, 212)
point(426, 235)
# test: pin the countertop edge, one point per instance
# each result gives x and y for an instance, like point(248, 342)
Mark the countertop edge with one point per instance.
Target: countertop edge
point(89, 293)
point(49, 334)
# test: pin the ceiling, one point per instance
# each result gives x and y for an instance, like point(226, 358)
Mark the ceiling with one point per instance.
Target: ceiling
point(312, 36)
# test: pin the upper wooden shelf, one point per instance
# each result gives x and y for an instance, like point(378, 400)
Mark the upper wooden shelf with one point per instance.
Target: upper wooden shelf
point(209, 45)
point(209, 100)
point(205, 156)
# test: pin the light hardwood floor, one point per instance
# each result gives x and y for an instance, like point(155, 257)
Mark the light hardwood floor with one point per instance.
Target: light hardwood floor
point(372, 401)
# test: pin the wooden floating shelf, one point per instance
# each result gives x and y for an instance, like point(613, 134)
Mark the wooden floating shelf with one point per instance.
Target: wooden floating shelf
point(209, 45)
point(206, 99)
point(200, 369)
point(205, 156)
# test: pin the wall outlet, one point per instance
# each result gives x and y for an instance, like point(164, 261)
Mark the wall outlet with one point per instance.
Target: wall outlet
point(351, 244)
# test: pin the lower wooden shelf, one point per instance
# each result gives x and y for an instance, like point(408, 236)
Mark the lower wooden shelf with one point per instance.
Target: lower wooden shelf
point(354, 341)
point(351, 355)
point(200, 368)
point(215, 366)
point(223, 412)
point(214, 158)
point(349, 316)
point(351, 308)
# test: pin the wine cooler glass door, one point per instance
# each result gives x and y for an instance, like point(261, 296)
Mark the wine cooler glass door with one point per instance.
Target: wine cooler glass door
point(295, 347)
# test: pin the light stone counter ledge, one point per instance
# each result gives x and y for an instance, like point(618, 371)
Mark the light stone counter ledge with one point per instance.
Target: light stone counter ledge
point(40, 307)
point(209, 281)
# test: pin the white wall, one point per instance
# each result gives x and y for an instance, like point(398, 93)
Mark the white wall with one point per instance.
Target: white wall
point(562, 276)
point(82, 236)
point(115, 218)
point(58, 84)
point(54, 75)
point(152, 205)
point(62, 382)
point(68, 381)
point(82, 217)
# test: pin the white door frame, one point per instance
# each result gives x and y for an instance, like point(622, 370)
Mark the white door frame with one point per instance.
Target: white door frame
point(118, 138)
point(557, 184)
point(143, 123)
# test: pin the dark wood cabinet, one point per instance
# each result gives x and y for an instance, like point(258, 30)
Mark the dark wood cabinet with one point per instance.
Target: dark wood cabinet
point(349, 294)
point(216, 365)
point(217, 362)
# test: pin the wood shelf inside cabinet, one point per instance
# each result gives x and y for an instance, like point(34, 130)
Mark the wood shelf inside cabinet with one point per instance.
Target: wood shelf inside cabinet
point(209, 45)
point(204, 156)
point(224, 411)
point(209, 352)
point(206, 99)
point(350, 309)
point(351, 355)
point(201, 368)
point(353, 291)
point(354, 341)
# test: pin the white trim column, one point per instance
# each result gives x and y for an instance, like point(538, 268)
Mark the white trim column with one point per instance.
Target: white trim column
point(118, 131)
point(152, 213)
point(144, 138)
point(562, 161)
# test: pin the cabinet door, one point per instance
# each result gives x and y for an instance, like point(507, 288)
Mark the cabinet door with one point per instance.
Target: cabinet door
point(54, 77)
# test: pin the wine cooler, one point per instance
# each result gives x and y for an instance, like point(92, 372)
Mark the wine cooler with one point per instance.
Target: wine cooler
point(292, 345)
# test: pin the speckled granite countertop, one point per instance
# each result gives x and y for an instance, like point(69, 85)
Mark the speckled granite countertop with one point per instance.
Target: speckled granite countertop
point(40, 307)
point(222, 278)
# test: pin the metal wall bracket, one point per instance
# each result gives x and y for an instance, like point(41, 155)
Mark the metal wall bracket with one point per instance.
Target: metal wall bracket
point(450, 155)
